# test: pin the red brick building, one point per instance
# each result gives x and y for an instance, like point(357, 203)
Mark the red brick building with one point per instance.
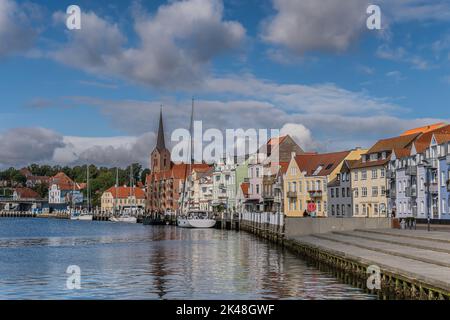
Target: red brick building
point(165, 182)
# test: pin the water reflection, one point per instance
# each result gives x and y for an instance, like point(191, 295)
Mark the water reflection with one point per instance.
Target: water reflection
point(120, 261)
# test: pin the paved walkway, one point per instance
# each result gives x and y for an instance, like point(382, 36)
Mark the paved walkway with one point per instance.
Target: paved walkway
point(414, 254)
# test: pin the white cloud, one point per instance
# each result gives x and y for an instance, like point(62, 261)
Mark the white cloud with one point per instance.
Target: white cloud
point(22, 146)
point(175, 45)
point(335, 25)
point(16, 32)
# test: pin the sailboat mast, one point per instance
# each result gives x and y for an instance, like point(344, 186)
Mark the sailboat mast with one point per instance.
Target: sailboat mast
point(117, 185)
point(87, 190)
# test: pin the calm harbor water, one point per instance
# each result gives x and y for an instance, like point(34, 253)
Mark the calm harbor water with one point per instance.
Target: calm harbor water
point(123, 261)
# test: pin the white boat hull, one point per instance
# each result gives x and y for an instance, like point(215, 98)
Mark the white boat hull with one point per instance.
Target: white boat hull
point(123, 219)
point(84, 217)
point(196, 223)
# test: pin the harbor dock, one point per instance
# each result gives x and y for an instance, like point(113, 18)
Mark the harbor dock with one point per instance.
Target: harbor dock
point(414, 264)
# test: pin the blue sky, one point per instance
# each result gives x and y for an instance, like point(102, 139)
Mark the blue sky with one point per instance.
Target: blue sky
point(92, 95)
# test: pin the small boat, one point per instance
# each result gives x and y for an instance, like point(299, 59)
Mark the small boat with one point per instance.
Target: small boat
point(196, 219)
point(123, 218)
point(82, 216)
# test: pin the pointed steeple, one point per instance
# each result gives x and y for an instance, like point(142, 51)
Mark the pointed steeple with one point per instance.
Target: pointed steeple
point(160, 143)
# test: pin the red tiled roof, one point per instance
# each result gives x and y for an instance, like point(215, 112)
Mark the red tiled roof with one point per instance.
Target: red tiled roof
point(328, 161)
point(367, 164)
point(402, 152)
point(125, 192)
point(389, 144)
point(26, 193)
point(423, 142)
point(442, 137)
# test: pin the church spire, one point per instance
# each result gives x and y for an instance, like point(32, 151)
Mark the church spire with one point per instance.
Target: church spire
point(160, 143)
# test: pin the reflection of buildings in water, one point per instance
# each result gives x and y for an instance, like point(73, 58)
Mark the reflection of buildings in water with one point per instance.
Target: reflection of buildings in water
point(159, 272)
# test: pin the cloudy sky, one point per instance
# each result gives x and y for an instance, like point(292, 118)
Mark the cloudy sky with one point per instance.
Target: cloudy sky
point(308, 67)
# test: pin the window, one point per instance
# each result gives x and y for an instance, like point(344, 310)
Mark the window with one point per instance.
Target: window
point(338, 210)
point(343, 209)
point(382, 173)
point(337, 192)
point(355, 176)
point(343, 192)
point(332, 192)
point(374, 174)
point(348, 193)
point(257, 188)
point(375, 208)
point(364, 192)
point(257, 172)
point(332, 209)
point(364, 175)
point(422, 183)
point(294, 186)
point(319, 206)
point(383, 190)
point(422, 207)
point(443, 180)
point(299, 186)
point(356, 209)
point(356, 191)
point(374, 191)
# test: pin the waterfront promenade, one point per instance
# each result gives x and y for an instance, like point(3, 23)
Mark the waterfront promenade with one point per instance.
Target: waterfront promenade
point(414, 264)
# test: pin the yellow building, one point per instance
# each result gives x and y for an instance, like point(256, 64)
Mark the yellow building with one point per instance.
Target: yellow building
point(369, 177)
point(307, 176)
point(122, 198)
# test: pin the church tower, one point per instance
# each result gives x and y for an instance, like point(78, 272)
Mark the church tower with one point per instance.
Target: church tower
point(160, 157)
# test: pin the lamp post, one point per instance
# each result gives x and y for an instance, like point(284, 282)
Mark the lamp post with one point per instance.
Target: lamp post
point(427, 177)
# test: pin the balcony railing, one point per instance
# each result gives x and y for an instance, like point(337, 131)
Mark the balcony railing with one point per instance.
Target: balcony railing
point(315, 193)
point(411, 192)
point(411, 171)
point(291, 194)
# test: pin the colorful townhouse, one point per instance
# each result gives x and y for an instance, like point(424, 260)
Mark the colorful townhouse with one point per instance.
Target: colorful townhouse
point(438, 158)
point(224, 185)
point(408, 174)
point(306, 181)
point(263, 167)
point(340, 196)
point(369, 177)
point(122, 198)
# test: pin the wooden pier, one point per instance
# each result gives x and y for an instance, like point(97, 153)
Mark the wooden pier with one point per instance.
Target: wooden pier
point(414, 264)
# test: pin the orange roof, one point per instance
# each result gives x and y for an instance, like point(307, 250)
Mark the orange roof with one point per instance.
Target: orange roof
point(325, 162)
point(125, 192)
point(27, 193)
point(424, 129)
point(424, 140)
point(360, 164)
point(389, 144)
point(442, 137)
point(178, 171)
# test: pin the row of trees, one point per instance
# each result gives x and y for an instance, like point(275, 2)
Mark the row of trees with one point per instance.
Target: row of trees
point(100, 178)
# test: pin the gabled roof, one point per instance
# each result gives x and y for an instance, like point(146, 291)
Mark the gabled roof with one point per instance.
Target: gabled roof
point(424, 129)
point(26, 193)
point(402, 152)
point(389, 144)
point(125, 192)
point(423, 142)
point(320, 164)
point(442, 137)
